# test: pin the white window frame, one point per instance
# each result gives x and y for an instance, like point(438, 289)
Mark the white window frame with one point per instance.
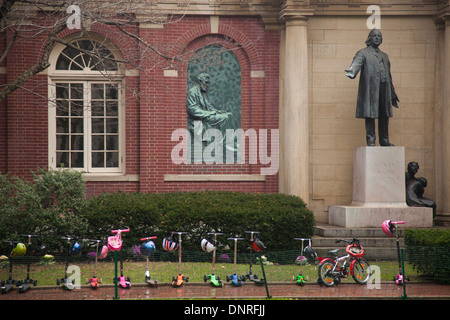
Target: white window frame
point(87, 77)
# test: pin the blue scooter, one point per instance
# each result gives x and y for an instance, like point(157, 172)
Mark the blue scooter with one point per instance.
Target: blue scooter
point(236, 281)
point(67, 283)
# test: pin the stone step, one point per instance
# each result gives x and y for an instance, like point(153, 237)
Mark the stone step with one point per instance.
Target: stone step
point(366, 242)
point(326, 230)
point(371, 254)
point(442, 220)
point(377, 245)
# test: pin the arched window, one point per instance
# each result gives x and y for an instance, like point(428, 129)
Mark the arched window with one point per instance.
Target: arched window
point(86, 54)
point(85, 114)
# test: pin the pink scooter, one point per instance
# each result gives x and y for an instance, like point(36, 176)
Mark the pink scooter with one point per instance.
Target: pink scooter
point(389, 227)
point(115, 244)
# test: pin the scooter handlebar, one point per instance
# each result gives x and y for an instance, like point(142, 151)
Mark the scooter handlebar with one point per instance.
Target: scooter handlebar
point(398, 222)
point(120, 230)
point(149, 238)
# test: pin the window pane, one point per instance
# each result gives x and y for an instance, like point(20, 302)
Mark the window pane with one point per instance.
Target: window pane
point(62, 125)
point(77, 160)
point(62, 91)
point(62, 63)
point(76, 108)
point(62, 142)
point(112, 142)
point(112, 108)
point(112, 159)
point(73, 59)
point(62, 108)
point(98, 125)
point(111, 92)
point(76, 91)
point(98, 143)
point(62, 159)
point(98, 109)
point(76, 125)
point(97, 91)
point(77, 143)
point(98, 160)
point(112, 125)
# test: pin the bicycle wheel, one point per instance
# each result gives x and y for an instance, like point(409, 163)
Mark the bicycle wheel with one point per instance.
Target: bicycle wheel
point(325, 273)
point(360, 274)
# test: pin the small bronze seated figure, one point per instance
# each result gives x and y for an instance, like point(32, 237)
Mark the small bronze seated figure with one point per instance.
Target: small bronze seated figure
point(415, 188)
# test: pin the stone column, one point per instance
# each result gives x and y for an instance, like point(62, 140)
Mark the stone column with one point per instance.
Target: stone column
point(295, 114)
point(445, 125)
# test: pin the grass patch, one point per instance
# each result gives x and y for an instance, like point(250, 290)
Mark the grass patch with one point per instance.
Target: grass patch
point(163, 271)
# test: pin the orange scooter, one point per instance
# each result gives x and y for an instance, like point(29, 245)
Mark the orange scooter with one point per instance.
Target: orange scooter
point(94, 281)
point(170, 245)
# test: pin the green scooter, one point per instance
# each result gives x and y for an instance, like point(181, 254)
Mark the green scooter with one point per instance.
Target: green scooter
point(208, 247)
point(24, 285)
point(17, 249)
point(300, 279)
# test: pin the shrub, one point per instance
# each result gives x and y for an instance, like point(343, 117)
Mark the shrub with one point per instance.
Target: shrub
point(278, 217)
point(49, 206)
point(428, 252)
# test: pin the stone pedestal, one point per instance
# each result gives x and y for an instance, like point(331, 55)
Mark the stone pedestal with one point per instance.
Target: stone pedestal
point(379, 192)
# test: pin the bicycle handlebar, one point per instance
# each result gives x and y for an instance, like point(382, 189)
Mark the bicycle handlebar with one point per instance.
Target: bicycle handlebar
point(120, 230)
point(149, 238)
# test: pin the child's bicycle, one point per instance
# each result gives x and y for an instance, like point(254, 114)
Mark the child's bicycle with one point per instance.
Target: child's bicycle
point(332, 270)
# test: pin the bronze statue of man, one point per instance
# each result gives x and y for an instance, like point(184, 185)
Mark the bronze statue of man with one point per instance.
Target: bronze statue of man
point(199, 108)
point(376, 93)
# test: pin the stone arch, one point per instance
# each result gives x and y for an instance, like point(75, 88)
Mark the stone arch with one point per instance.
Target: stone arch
point(227, 32)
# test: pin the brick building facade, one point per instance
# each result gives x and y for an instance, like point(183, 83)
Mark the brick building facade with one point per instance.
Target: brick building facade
point(292, 57)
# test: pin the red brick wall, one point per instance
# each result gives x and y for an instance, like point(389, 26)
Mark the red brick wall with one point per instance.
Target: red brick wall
point(155, 104)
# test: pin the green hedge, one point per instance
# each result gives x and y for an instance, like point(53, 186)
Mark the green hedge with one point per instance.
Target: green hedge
point(428, 251)
point(279, 218)
point(53, 205)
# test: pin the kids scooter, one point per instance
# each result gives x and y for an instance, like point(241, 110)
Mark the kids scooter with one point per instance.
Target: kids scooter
point(115, 244)
point(147, 248)
point(236, 280)
point(18, 249)
point(24, 285)
point(94, 281)
point(170, 245)
point(254, 246)
point(258, 246)
point(208, 247)
point(300, 279)
point(389, 227)
point(72, 250)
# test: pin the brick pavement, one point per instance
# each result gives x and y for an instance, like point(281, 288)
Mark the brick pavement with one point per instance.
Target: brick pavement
point(387, 290)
